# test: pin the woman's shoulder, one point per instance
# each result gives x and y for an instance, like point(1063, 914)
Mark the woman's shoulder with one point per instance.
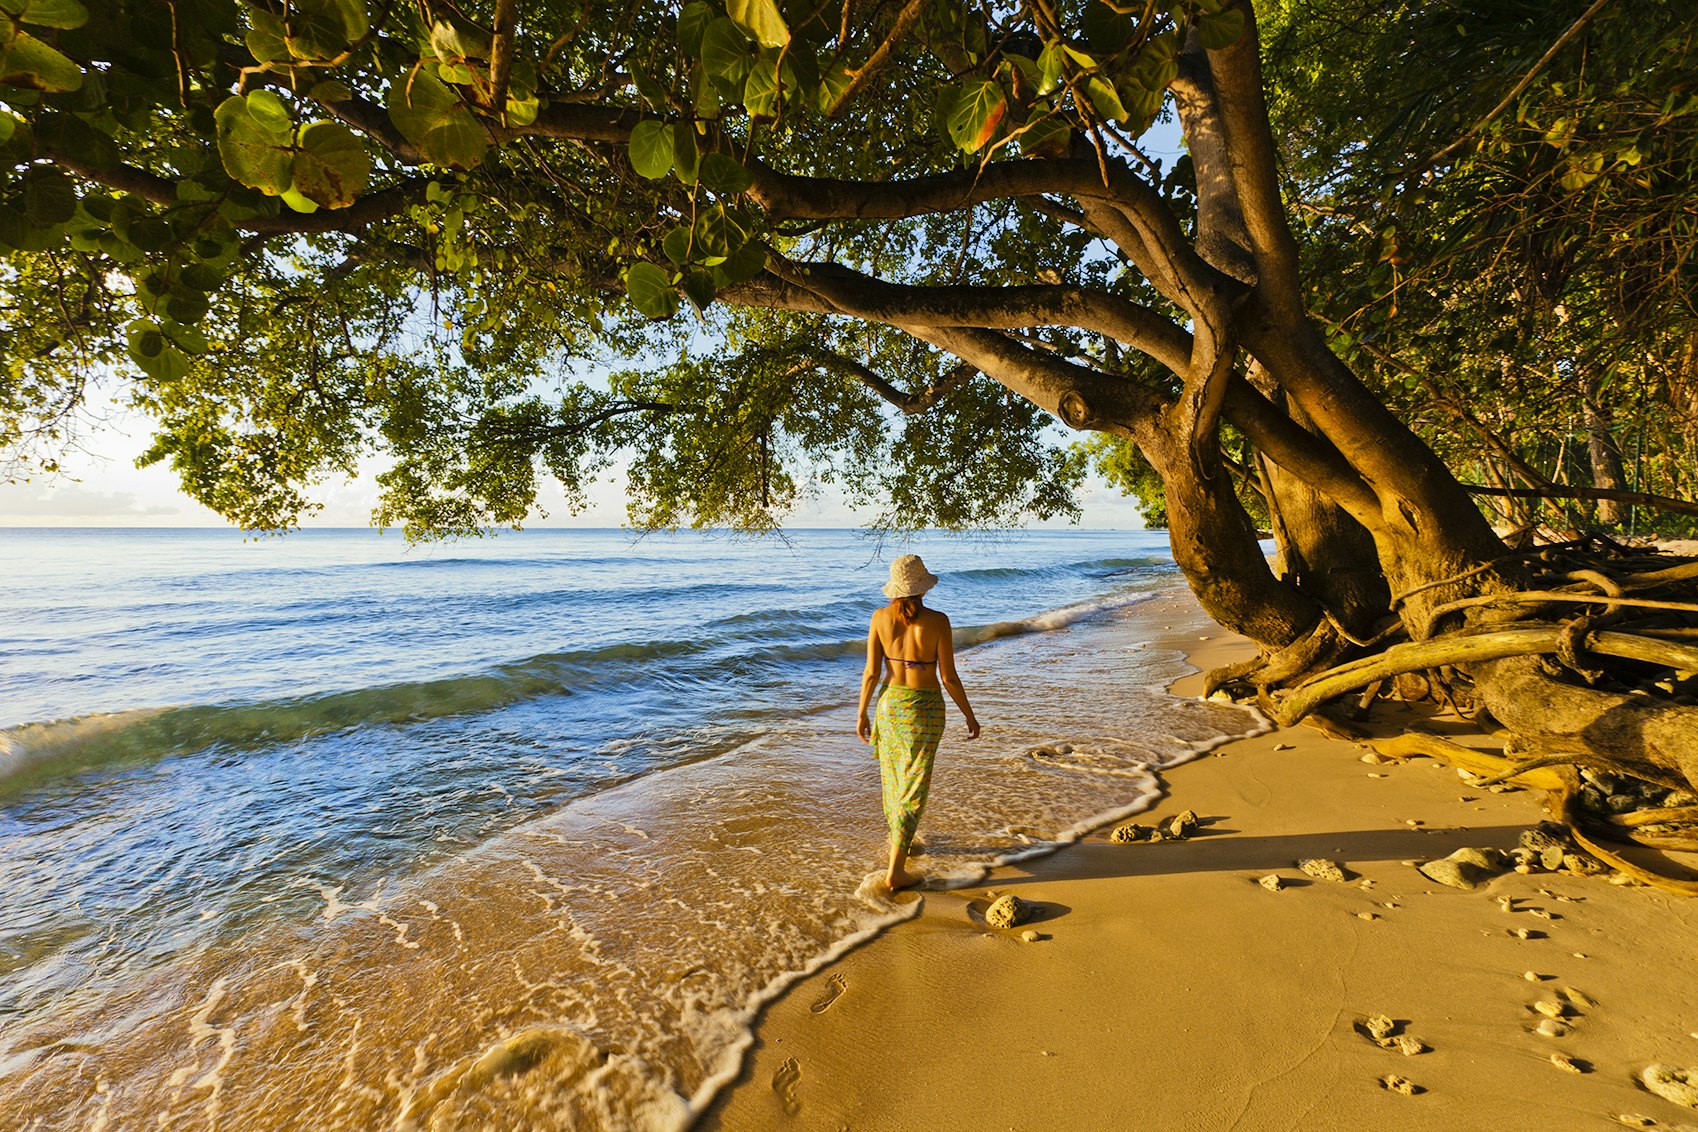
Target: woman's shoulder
point(935, 616)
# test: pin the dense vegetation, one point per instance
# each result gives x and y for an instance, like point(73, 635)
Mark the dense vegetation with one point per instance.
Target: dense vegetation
point(902, 247)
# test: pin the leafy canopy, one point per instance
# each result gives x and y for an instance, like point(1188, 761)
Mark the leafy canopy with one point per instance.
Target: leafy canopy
point(301, 233)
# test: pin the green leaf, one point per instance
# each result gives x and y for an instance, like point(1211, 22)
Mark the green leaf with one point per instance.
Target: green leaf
point(433, 118)
point(743, 264)
point(187, 309)
point(1105, 98)
point(676, 245)
point(724, 174)
point(1050, 64)
point(256, 150)
point(265, 37)
point(693, 23)
point(1221, 29)
point(332, 168)
point(684, 153)
point(148, 348)
point(29, 63)
point(833, 84)
point(698, 285)
point(18, 231)
point(523, 111)
point(1105, 29)
point(295, 200)
point(324, 29)
point(651, 149)
point(650, 290)
point(49, 197)
point(452, 42)
point(46, 13)
point(726, 55)
point(761, 19)
point(972, 121)
point(7, 125)
point(330, 90)
point(1047, 137)
point(761, 91)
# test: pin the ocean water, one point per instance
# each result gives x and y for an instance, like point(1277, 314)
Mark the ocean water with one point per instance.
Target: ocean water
point(331, 832)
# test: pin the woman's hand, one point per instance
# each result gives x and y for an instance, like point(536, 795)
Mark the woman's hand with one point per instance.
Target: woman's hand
point(864, 729)
point(972, 728)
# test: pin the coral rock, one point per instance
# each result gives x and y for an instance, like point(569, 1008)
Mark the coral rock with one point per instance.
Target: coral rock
point(1379, 1027)
point(1671, 1084)
point(1182, 824)
point(1273, 882)
point(1125, 834)
point(1467, 868)
point(1008, 912)
point(1321, 869)
point(1567, 1064)
point(1402, 1086)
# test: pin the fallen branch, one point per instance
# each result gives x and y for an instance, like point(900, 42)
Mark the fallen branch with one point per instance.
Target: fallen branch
point(1413, 744)
point(1472, 648)
point(1615, 495)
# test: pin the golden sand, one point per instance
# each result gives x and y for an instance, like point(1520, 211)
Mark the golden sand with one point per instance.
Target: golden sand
point(1167, 989)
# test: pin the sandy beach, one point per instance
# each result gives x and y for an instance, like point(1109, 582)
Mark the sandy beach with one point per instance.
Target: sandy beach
point(1167, 989)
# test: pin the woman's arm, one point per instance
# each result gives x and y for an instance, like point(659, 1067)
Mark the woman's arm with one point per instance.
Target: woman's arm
point(951, 680)
point(869, 678)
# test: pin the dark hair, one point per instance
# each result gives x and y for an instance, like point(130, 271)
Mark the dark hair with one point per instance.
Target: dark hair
point(907, 608)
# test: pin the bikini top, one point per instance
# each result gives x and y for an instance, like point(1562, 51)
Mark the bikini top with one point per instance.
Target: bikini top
point(910, 663)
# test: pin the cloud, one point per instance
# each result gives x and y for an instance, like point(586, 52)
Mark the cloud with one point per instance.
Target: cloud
point(64, 502)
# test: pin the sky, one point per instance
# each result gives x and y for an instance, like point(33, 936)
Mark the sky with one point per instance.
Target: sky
point(102, 487)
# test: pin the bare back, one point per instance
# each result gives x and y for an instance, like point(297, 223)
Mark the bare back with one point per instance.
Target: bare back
point(912, 654)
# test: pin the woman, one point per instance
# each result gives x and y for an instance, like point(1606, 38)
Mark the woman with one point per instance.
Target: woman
point(914, 650)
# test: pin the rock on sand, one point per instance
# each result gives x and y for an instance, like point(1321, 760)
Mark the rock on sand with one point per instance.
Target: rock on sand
point(1008, 912)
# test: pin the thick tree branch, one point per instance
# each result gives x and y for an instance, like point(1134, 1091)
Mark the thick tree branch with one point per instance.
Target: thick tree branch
point(1558, 491)
point(911, 404)
point(1237, 72)
point(852, 293)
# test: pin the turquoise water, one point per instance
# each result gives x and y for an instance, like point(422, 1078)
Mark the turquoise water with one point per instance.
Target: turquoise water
point(273, 809)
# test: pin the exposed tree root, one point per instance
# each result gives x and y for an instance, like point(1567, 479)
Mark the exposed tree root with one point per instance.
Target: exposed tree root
point(1413, 744)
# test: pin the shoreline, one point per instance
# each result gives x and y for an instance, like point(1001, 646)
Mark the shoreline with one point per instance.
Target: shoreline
point(1168, 989)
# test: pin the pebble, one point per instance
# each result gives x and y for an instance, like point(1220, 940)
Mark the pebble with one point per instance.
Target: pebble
point(1283, 747)
point(1390, 904)
point(1522, 933)
point(1542, 914)
point(1533, 976)
point(1373, 759)
point(1566, 1063)
point(1373, 775)
point(1634, 1120)
point(1580, 955)
point(1507, 903)
point(1402, 1086)
point(1411, 863)
point(1030, 936)
point(1551, 1028)
point(1411, 821)
point(1367, 915)
point(1405, 1045)
point(1550, 1008)
point(1273, 882)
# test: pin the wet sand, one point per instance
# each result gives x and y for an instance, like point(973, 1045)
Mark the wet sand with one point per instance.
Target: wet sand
point(1168, 990)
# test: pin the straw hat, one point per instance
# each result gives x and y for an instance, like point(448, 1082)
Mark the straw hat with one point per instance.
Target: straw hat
point(909, 577)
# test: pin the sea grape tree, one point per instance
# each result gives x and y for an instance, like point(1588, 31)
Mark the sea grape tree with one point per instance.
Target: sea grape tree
point(891, 245)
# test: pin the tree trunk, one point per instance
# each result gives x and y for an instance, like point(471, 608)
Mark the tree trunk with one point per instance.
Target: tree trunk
point(1607, 471)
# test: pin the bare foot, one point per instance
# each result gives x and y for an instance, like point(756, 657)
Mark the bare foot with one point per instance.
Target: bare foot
point(900, 879)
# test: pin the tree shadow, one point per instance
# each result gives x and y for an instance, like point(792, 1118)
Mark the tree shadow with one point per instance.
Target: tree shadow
point(1221, 851)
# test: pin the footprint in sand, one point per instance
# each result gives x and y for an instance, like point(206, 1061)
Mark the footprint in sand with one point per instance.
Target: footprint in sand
point(834, 989)
point(784, 1083)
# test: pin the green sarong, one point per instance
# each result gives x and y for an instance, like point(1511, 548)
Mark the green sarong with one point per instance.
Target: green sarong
point(907, 727)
